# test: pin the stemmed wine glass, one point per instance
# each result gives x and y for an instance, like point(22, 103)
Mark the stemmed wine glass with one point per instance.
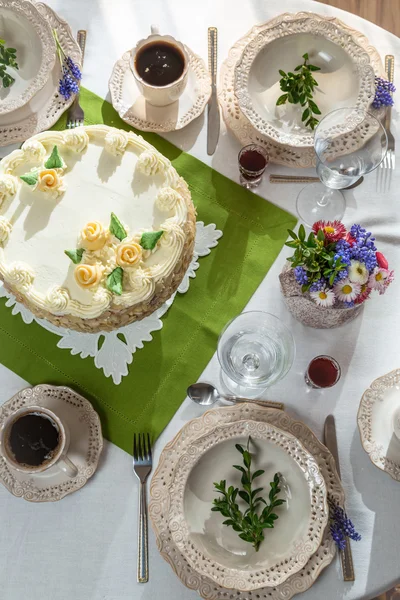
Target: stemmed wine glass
point(349, 143)
point(255, 350)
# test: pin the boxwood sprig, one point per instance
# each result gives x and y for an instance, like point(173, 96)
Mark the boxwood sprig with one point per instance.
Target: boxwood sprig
point(8, 58)
point(250, 523)
point(299, 88)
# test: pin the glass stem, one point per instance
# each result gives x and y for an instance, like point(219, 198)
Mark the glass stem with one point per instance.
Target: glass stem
point(324, 200)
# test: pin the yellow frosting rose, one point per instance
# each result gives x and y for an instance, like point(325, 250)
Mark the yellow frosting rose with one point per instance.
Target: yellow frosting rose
point(129, 254)
point(49, 180)
point(88, 276)
point(93, 236)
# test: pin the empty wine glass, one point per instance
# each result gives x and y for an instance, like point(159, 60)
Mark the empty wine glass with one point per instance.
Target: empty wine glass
point(255, 350)
point(349, 143)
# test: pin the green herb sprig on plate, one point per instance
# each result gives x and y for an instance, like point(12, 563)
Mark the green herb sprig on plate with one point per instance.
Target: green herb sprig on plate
point(299, 88)
point(249, 524)
point(7, 59)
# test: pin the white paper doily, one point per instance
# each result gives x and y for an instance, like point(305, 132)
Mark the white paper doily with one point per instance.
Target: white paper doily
point(110, 353)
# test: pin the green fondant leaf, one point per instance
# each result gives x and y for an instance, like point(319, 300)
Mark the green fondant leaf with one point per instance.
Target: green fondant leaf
point(149, 239)
point(30, 178)
point(116, 228)
point(114, 281)
point(54, 161)
point(75, 255)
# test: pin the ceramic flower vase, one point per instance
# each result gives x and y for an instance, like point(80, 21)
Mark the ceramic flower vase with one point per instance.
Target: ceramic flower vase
point(304, 309)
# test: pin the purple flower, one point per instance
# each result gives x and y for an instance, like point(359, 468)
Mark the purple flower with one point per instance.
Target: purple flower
point(341, 275)
point(301, 275)
point(71, 73)
point(73, 67)
point(340, 525)
point(68, 83)
point(338, 536)
point(318, 285)
point(383, 93)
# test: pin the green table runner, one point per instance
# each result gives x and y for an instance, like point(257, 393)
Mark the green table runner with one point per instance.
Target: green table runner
point(254, 233)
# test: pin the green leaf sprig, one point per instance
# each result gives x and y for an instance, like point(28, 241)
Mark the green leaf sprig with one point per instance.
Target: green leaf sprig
point(299, 88)
point(315, 255)
point(249, 524)
point(7, 59)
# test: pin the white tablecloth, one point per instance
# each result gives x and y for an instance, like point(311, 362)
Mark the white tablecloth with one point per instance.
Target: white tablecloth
point(85, 546)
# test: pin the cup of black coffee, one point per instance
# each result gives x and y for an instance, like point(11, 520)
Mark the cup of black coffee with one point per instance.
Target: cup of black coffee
point(160, 65)
point(33, 439)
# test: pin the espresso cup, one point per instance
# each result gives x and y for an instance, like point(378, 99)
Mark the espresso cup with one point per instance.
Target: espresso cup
point(160, 95)
point(58, 456)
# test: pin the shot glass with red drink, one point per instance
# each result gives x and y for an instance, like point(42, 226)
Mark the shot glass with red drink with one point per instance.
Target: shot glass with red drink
point(322, 372)
point(253, 160)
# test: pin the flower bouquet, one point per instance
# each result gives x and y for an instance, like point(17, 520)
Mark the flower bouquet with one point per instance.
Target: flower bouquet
point(332, 273)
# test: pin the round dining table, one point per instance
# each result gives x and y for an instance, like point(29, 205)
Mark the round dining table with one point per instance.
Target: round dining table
point(85, 547)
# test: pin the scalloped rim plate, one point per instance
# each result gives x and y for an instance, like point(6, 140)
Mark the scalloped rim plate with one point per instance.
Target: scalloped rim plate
point(26, 11)
point(241, 127)
point(297, 542)
point(257, 93)
point(160, 501)
point(85, 446)
point(47, 106)
point(375, 423)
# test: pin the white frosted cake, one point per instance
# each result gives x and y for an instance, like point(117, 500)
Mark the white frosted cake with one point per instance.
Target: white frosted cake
point(96, 227)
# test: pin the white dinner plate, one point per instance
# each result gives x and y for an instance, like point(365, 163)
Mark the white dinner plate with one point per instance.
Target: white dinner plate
point(346, 77)
point(24, 28)
point(214, 549)
point(160, 490)
point(379, 423)
point(47, 106)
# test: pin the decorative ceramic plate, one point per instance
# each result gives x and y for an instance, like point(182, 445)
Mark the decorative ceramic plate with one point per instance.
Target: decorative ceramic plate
point(241, 126)
point(379, 423)
point(23, 27)
point(161, 500)
point(346, 77)
point(47, 106)
point(85, 446)
point(134, 110)
point(216, 550)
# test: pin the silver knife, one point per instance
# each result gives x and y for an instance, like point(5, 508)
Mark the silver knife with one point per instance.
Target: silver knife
point(213, 119)
point(330, 441)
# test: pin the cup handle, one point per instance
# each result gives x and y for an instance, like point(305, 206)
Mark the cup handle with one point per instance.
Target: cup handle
point(67, 466)
point(155, 30)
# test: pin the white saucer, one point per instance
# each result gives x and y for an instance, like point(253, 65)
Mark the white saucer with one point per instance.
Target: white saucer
point(47, 106)
point(378, 423)
point(85, 447)
point(134, 110)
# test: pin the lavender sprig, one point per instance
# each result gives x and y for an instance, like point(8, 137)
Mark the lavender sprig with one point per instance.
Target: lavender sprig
point(71, 73)
point(383, 93)
point(341, 527)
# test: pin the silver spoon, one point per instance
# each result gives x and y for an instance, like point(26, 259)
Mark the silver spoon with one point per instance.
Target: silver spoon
point(206, 394)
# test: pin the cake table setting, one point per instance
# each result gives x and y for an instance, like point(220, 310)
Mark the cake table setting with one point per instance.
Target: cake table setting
point(227, 216)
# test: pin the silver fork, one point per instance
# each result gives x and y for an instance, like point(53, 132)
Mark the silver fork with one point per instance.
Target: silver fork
point(142, 464)
point(387, 166)
point(75, 113)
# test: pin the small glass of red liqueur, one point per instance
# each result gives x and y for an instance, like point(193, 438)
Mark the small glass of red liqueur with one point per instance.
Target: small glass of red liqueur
point(322, 372)
point(253, 160)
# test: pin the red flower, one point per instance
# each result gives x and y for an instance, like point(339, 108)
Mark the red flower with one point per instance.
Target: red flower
point(381, 260)
point(333, 230)
point(349, 239)
point(364, 295)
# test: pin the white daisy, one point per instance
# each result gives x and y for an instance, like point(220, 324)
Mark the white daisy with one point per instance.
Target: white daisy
point(324, 297)
point(377, 280)
point(358, 272)
point(346, 291)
